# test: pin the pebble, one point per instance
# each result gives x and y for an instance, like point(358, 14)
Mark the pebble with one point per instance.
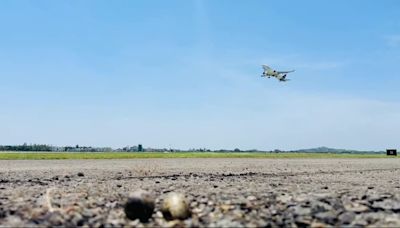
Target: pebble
point(298, 210)
point(387, 204)
point(140, 205)
point(286, 198)
point(356, 207)
point(318, 225)
point(328, 217)
point(346, 217)
point(175, 206)
point(318, 206)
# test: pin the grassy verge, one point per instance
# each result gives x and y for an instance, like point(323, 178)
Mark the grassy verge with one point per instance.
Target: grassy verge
point(121, 155)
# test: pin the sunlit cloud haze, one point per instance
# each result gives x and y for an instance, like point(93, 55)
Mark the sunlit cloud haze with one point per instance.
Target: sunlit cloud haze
point(187, 74)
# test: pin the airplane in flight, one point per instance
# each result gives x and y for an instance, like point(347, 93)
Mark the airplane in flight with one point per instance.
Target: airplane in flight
point(280, 75)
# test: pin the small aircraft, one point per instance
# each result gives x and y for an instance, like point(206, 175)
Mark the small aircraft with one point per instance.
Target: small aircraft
point(280, 75)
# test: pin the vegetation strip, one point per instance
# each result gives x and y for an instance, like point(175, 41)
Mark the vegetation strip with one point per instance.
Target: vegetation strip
point(127, 155)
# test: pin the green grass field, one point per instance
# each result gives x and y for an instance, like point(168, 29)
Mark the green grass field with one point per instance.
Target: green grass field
point(125, 155)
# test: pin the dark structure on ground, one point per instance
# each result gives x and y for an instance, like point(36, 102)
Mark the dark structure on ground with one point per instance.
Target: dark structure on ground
point(391, 152)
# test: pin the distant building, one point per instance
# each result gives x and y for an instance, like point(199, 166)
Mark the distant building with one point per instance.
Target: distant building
point(140, 148)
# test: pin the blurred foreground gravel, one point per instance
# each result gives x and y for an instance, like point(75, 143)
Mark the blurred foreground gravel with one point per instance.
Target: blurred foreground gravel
point(220, 192)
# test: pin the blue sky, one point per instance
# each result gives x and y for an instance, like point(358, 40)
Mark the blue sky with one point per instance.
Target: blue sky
point(186, 74)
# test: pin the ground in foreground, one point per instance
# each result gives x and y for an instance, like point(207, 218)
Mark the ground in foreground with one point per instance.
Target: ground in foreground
point(229, 192)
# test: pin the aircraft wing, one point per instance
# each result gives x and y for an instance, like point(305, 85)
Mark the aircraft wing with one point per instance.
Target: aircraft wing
point(285, 72)
point(265, 67)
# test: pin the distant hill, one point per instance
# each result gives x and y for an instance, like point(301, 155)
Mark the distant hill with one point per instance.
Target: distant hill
point(324, 149)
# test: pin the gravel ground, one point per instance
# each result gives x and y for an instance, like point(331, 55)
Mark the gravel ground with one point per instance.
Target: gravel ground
point(220, 192)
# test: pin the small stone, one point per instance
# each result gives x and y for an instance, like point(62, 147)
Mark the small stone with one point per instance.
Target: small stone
point(300, 198)
point(356, 207)
point(318, 225)
point(285, 198)
point(318, 206)
point(226, 207)
point(175, 206)
point(80, 174)
point(303, 221)
point(298, 210)
point(54, 218)
point(140, 205)
point(78, 220)
point(347, 217)
point(251, 198)
point(321, 196)
point(118, 185)
point(2, 213)
point(174, 223)
point(387, 204)
point(328, 217)
point(226, 223)
point(199, 209)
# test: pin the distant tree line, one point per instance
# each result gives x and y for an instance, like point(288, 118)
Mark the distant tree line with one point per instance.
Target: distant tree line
point(25, 147)
point(43, 147)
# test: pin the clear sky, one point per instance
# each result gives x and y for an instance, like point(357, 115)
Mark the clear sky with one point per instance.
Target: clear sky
point(186, 74)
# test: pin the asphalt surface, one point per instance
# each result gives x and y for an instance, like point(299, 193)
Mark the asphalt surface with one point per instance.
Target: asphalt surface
point(220, 192)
